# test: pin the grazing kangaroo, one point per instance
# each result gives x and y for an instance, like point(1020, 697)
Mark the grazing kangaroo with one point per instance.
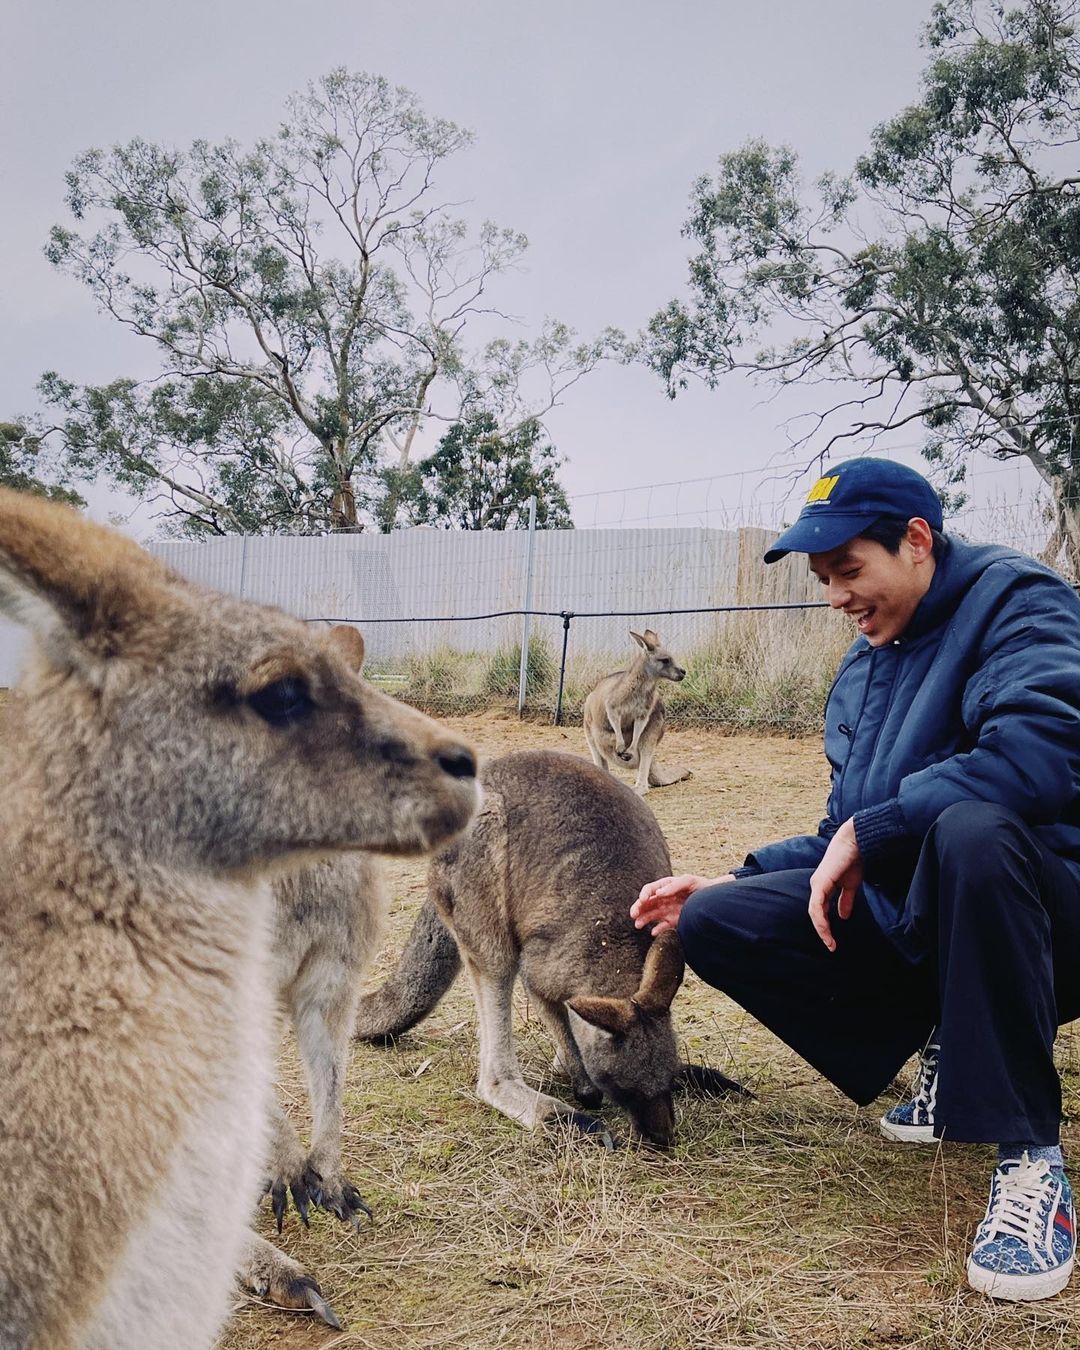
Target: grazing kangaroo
point(327, 922)
point(624, 717)
point(541, 885)
point(167, 748)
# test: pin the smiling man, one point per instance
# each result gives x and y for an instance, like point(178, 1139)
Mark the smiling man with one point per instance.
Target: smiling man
point(938, 904)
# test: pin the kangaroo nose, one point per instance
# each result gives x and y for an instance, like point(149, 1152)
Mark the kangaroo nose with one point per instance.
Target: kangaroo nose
point(457, 761)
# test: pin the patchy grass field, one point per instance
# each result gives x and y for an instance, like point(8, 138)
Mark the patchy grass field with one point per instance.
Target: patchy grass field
point(785, 1221)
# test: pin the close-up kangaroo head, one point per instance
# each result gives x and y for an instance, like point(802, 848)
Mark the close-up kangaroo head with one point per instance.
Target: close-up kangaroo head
point(658, 660)
point(199, 729)
point(628, 1044)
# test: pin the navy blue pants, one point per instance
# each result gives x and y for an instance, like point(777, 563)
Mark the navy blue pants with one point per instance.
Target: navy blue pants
point(997, 916)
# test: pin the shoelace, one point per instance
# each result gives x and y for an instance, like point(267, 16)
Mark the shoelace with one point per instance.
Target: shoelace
point(1017, 1206)
point(926, 1087)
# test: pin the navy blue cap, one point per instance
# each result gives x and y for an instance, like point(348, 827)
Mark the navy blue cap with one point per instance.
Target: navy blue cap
point(852, 496)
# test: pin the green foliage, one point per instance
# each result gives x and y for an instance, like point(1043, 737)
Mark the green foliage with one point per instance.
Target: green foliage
point(479, 479)
point(25, 464)
point(964, 312)
point(503, 672)
point(312, 306)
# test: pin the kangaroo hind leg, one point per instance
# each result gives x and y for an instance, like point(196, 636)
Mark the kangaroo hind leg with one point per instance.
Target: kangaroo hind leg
point(500, 1083)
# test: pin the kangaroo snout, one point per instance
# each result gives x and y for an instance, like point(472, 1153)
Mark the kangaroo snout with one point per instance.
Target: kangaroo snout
point(653, 1118)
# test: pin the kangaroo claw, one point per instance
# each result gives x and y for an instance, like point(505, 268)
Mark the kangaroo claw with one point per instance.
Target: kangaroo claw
point(312, 1296)
point(279, 1199)
point(280, 1190)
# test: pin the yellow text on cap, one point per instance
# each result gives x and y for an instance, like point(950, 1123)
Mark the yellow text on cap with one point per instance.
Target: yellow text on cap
point(822, 488)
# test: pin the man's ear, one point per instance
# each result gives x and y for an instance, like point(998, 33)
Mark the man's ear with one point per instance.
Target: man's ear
point(920, 538)
point(348, 642)
point(615, 1015)
point(74, 584)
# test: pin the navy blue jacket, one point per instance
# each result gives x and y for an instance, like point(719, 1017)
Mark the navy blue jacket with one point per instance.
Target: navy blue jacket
point(978, 700)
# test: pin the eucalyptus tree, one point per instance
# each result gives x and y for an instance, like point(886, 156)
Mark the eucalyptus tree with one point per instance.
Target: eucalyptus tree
point(936, 283)
point(317, 306)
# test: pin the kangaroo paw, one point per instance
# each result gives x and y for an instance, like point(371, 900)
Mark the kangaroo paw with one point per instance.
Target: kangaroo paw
point(337, 1195)
point(625, 755)
point(708, 1082)
point(271, 1275)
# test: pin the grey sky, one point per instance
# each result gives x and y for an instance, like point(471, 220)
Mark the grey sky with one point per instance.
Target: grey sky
point(591, 121)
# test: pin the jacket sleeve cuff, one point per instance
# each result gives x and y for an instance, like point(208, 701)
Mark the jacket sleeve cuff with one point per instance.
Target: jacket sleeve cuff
point(747, 870)
point(878, 829)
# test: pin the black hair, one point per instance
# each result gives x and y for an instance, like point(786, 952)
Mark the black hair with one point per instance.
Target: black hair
point(889, 532)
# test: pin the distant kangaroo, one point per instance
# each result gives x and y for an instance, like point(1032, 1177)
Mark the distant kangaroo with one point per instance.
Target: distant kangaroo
point(624, 718)
point(541, 886)
point(167, 747)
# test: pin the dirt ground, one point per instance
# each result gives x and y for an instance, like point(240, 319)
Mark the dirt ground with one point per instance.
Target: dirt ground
point(781, 1221)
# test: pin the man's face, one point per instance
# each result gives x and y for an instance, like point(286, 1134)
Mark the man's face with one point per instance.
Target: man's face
point(876, 588)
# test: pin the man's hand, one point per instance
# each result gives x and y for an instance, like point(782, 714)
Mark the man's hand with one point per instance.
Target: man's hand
point(840, 869)
point(660, 902)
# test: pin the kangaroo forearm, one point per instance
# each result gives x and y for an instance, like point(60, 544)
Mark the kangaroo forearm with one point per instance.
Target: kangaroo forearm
point(615, 722)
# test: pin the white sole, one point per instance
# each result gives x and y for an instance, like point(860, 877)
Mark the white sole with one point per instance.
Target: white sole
point(1019, 1288)
point(907, 1134)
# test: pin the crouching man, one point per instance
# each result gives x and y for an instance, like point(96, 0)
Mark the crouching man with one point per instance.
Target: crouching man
point(938, 905)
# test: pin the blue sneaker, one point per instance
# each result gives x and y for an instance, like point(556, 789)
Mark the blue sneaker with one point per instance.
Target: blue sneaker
point(912, 1122)
point(1025, 1245)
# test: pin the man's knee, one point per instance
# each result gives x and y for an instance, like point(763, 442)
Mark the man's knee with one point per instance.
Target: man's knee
point(975, 834)
point(710, 927)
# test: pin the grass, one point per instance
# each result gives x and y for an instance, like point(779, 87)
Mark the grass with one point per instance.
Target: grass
point(785, 1221)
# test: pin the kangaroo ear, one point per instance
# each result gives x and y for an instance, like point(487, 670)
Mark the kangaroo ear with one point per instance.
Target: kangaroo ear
point(609, 1014)
point(639, 639)
point(663, 973)
point(73, 583)
point(348, 642)
point(651, 640)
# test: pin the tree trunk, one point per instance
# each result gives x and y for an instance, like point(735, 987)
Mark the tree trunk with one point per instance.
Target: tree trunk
point(1066, 536)
point(343, 508)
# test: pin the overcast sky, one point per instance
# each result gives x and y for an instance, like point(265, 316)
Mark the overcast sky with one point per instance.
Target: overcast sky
point(592, 119)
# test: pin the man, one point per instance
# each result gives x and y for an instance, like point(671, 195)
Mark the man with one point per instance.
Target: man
point(938, 904)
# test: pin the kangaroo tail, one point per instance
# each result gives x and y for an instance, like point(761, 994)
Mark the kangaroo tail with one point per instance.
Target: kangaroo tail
point(659, 777)
point(425, 970)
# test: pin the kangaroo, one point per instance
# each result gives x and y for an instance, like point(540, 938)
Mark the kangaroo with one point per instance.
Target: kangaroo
point(166, 750)
point(326, 927)
point(624, 717)
point(541, 886)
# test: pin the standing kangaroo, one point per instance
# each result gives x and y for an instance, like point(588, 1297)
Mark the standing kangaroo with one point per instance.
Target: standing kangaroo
point(624, 718)
point(166, 748)
point(541, 885)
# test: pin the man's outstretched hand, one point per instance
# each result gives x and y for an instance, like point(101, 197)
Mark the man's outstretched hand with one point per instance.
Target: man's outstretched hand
point(660, 902)
point(840, 870)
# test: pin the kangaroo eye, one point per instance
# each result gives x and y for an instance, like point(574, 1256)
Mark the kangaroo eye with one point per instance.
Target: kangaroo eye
point(283, 702)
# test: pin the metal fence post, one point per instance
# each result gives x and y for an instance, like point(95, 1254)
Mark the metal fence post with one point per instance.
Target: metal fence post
point(523, 669)
point(243, 563)
point(566, 617)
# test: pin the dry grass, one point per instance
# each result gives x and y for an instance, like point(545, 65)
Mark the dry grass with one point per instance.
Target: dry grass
point(785, 1221)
